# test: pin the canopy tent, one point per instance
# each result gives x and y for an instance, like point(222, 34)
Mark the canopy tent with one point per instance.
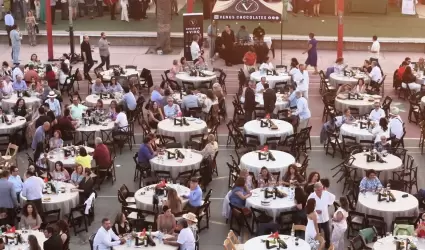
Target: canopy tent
point(249, 10)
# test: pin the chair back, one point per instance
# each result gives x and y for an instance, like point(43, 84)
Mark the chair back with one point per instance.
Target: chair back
point(91, 239)
point(368, 234)
point(402, 229)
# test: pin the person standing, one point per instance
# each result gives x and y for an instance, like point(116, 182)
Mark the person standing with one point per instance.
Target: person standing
point(113, 8)
point(16, 180)
point(87, 57)
point(15, 37)
point(105, 238)
point(195, 50)
point(374, 50)
point(30, 22)
point(228, 39)
point(9, 21)
point(8, 196)
point(302, 110)
point(99, 5)
point(212, 36)
point(302, 84)
point(249, 103)
point(104, 50)
point(53, 10)
point(33, 190)
point(269, 97)
point(145, 6)
point(285, 10)
point(124, 10)
point(174, 7)
point(312, 53)
point(19, 4)
point(65, 9)
point(324, 199)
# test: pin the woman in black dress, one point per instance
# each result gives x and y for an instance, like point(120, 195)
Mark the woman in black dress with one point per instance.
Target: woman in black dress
point(228, 39)
point(85, 187)
point(20, 109)
point(121, 225)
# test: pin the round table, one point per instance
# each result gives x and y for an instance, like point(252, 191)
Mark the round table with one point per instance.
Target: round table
point(356, 131)
point(253, 164)
point(144, 201)
point(91, 101)
point(280, 102)
point(256, 244)
point(392, 163)
point(182, 133)
point(109, 125)
point(271, 80)
point(339, 79)
point(185, 77)
point(18, 122)
point(9, 102)
point(41, 238)
point(364, 106)
point(388, 243)
point(191, 161)
point(423, 101)
point(107, 74)
point(368, 203)
point(58, 155)
point(63, 201)
point(253, 128)
point(159, 246)
point(276, 206)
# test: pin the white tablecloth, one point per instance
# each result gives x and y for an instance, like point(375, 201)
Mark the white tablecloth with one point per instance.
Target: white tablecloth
point(392, 163)
point(39, 235)
point(107, 75)
point(58, 155)
point(30, 102)
point(191, 161)
point(185, 77)
point(256, 244)
point(368, 203)
point(9, 129)
point(253, 164)
point(63, 201)
point(276, 205)
point(144, 201)
point(95, 128)
point(351, 130)
point(159, 246)
point(271, 80)
point(337, 79)
point(280, 102)
point(253, 128)
point(91, 101)
point(423, 101)
point(364, 106)
point(181, 133)
point(388, 243)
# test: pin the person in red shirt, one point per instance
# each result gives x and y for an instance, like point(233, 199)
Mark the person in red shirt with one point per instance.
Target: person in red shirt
point(31, 74)
point(250, 57)
point(50, 77)
point(400, 71)
point(101, 154)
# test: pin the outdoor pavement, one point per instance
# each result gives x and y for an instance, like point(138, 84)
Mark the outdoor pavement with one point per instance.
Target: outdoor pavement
point(211, 239)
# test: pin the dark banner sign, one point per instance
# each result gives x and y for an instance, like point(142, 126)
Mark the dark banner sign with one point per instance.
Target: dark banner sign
point(192, 25)
point(250, 10)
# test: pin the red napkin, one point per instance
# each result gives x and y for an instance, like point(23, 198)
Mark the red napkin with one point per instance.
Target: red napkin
point(266, 148)
point(179, 114)
point(421, 234)
point(11, 230)
point(143, 233)
point(46, 180)
point(267, 116)
point(274, 235)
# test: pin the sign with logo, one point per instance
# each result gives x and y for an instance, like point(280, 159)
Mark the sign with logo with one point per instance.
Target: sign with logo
point(253, 10)
point(192, 25)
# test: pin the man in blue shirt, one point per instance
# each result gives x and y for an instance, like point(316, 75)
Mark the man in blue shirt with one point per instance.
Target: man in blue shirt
point(9, 21)
point(156, 95)
point(195, 195)
point(98, 87)
point(54, 104)
point(19, 84)
point(190, 101)
point(16, 181)
point(128, 99)
point(145, 153)
point(40, 135)
point(292, 98)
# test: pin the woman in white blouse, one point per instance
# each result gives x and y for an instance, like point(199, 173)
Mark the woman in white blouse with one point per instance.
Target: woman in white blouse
point(63, 73)
point(339, 66)
point(381, 129)
point(208, 102)
point(210, 148)
point(267, 65)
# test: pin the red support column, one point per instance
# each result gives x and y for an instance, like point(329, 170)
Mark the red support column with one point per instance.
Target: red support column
point(340, 45)
point(189, 6)
point(49, 30)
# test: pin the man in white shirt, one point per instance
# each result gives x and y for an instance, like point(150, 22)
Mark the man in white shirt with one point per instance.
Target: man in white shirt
point(33, 190)
point(195, 50)
point(266, 65)
point(105, 238)
point(121, 122)
point(396, 124)
point(302, 111)
point(375, 75)
point(374, 49)
point(323, 200)
point(302, 85)
point(185, 239)
point(171, 110)
point(377, 113)
point(259, 87)
point(297, 76)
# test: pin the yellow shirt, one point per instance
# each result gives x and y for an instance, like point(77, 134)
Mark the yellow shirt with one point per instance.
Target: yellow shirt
point(85, 161)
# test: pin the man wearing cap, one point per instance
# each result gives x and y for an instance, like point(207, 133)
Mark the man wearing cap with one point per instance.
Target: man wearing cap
point(54, 104)
point(377, 113)
point(395, 124)
point(19, 84)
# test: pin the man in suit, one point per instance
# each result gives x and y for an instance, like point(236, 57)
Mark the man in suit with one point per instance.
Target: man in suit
point(8, 197)
point(269, 97)
point(54, 241)
point(249, 104)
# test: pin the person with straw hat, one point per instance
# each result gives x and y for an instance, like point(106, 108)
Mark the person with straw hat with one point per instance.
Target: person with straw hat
point(191, 221)
point(395, 123)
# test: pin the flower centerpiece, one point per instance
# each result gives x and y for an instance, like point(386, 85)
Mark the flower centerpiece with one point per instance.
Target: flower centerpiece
point(275, 241)
point(420, 229)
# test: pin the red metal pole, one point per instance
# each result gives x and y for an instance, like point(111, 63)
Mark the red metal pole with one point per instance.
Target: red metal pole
point(340, 45)
point(190, 6)
point(49, 30)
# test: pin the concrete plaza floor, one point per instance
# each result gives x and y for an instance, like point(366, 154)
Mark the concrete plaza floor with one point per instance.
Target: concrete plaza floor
point(212, 239)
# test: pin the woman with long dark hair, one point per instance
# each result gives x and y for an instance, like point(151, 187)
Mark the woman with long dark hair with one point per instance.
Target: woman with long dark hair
point(63, 232)
point(63, 73)
point(311, 180)
point(155, 115)
point(410, 79)
point(381, 129)
point(121, 225)
point(312, 229)
point(292, 177)
point(30, 217)
point(20, 108)
point(85, 187)
point(33, 243)
point(265, 178)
